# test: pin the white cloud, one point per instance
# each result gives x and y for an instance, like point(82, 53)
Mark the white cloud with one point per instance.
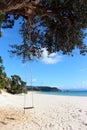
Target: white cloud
point(84, 84)
point(53, 58)
point(81, 85)
point(34, 80)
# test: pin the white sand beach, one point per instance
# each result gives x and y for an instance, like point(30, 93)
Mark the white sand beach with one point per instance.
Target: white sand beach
point(50, 112)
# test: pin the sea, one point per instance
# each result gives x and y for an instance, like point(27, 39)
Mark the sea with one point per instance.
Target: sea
point(66, 93)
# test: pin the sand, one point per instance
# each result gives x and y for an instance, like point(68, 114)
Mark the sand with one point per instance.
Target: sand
point(50, 112)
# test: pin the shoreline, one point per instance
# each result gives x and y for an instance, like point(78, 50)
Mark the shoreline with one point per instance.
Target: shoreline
point(50, 112)
point(66, 93)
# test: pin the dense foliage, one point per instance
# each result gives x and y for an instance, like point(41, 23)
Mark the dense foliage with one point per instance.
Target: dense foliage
point(1, 20)
point(4, 81)
point(17, 85)
point(14, 84)
point(57, 25)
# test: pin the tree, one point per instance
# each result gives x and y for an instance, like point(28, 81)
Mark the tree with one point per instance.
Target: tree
point(4, 81)
point(1, 20)
point(16, 85)
point(57, 25)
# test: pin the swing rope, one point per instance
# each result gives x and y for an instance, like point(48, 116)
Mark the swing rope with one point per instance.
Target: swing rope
point(31, 89)
point(31, 84)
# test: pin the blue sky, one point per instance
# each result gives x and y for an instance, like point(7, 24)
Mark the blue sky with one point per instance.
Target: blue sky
point(64, 72)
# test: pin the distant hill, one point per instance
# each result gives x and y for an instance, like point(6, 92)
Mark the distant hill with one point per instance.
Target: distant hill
point(44, 88)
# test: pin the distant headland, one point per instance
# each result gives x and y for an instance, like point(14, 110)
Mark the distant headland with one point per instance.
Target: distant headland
point(43, 88)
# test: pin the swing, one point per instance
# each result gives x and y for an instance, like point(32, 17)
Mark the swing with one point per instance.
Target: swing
point(32, 106)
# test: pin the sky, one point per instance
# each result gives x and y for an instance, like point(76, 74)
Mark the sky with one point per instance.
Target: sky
point(64, 72)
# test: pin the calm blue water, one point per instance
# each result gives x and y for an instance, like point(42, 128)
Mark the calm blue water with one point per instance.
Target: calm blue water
point(67, 93)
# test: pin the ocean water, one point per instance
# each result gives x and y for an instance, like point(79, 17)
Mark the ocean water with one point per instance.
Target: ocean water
point(66, 93)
